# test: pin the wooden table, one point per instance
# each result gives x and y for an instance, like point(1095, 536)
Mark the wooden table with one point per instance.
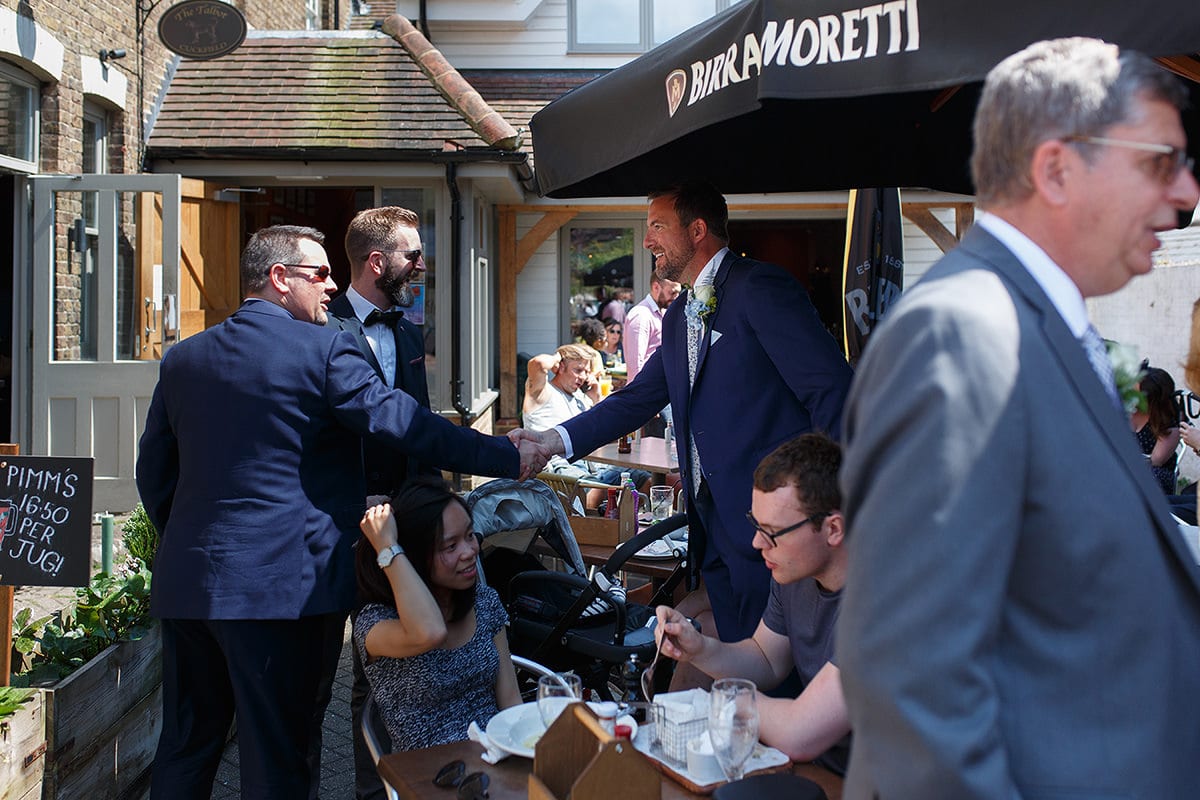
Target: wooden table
point(412, 775)
point(647, 452)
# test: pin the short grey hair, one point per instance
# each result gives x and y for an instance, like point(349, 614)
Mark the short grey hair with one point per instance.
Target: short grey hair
point(278, 244)
point(1050, 90)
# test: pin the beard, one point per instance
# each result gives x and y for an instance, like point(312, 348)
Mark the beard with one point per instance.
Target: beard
point(396, 287)
point(669, 268)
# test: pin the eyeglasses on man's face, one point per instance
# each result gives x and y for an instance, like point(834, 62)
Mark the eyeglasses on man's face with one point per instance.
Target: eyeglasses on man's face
point(321, 271)
point(1165, 166)
point(772, 536)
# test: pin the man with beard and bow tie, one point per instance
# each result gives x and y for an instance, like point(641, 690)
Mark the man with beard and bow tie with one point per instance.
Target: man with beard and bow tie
point(383, 246)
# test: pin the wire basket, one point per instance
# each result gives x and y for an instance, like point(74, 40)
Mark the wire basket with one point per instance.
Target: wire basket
point(673, 736)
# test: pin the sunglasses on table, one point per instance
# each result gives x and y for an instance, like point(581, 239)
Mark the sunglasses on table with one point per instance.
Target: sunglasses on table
point(469, 787)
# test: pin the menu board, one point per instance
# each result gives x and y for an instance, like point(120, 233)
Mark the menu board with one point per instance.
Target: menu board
point(45, 521)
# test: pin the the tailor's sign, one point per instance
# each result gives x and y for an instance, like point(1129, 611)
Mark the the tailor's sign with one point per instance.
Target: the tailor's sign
point(45, 521)
point(202, 29)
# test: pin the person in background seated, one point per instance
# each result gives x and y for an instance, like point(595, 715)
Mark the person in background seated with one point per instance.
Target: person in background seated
point(611, 352)
point(431, 636)
point(572, 390)
point(591, 335)
point(1157, 428)
point(799, 530)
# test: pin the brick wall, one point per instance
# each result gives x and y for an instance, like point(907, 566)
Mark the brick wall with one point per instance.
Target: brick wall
point(84, 29)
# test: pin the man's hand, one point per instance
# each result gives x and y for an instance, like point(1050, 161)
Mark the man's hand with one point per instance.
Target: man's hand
point(683, 642)
point(548, 440)
point(533, 458)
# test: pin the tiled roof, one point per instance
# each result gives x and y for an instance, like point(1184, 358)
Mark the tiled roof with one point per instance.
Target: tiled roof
point(518, 94)
point(341, 95)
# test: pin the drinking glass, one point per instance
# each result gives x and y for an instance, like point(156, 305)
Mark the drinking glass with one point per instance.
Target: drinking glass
point(660, 502)
point(555, 693)
point(733, 724)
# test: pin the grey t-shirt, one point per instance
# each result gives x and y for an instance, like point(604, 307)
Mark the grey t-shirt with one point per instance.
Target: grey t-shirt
point(806, 614)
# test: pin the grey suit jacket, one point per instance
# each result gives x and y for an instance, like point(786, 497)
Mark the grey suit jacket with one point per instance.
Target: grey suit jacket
point(1021, 615)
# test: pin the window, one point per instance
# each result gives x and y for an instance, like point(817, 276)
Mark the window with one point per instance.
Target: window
point(312, 15)
point(633, 26)
point(600, 258)
point(18, 119)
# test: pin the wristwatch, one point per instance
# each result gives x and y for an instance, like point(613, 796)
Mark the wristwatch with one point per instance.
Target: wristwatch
point(386, 555)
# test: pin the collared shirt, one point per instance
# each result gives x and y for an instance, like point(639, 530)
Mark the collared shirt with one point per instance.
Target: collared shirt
point(643, 335)
point(1058, 286)
point(380, 337)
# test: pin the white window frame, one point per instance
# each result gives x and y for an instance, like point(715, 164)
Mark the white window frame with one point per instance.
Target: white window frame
point(641, 263)
point(22, 78)
point(645, 34)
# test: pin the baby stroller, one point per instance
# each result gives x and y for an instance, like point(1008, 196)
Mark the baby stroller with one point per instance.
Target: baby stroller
point(564, 619)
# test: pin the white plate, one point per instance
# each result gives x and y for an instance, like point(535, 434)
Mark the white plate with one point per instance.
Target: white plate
point(516, 730)
point(662, 548)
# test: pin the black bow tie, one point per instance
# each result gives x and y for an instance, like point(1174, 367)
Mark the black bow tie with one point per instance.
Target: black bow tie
point(389, 318)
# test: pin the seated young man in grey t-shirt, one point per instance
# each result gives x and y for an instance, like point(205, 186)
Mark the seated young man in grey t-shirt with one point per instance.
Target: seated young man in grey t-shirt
point(795, 509)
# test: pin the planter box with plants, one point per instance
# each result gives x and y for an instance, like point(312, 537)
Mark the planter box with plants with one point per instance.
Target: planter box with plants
point(98, 669)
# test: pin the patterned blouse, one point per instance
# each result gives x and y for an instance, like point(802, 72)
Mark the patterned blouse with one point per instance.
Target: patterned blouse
point(431, 698)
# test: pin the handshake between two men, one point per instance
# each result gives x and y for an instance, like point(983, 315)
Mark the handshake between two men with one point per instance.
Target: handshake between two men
point(535, 449)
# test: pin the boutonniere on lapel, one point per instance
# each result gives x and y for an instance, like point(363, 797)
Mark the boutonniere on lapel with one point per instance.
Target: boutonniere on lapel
point(702, 301)
point(1128, 371)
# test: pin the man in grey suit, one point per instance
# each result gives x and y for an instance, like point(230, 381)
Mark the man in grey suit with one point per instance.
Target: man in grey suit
point(1022, 616)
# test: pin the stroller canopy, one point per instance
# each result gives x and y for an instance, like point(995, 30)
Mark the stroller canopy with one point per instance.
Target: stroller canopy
point(507, 505)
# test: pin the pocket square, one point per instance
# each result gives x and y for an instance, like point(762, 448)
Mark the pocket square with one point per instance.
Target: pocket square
point(716, 334)
point(417, 360)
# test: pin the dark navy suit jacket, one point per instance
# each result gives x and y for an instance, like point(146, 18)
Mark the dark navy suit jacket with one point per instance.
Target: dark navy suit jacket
point(251, 466)
point(768, 371)
point(386, 470)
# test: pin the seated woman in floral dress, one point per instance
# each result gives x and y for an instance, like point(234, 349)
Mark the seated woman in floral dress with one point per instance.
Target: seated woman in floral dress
point(431, 636)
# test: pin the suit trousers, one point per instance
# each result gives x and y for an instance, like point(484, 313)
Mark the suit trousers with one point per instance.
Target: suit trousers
point(268, 672)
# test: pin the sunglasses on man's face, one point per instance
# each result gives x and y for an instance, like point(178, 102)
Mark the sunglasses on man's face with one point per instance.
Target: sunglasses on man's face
point(321, 271)
point(470, 787)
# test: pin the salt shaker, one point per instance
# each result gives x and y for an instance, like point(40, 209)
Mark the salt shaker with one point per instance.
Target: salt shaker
point(606, 715)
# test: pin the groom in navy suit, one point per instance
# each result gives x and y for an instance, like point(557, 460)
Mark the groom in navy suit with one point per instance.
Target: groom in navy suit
point(250, 467)
point(746, 365)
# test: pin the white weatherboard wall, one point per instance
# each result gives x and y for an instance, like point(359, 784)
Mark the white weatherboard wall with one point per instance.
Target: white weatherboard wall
point(1153, 312)
point(538, 295)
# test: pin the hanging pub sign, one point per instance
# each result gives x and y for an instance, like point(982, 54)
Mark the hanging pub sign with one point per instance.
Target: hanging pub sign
point(202, 29)
point(45, 521)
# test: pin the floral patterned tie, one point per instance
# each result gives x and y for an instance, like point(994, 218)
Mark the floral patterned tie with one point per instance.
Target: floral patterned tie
point(1097, 354)
point(695, 329)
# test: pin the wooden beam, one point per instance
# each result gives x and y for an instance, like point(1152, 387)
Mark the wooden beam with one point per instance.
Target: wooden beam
point(506, 296)
point(924, 219)
point(964, 218)
point(548, 225)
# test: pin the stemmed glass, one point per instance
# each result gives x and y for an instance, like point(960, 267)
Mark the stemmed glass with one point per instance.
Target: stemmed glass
point(555, 693)
point(733, 724)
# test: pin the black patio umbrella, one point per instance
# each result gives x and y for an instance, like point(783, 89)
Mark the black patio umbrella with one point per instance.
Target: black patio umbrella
point(808, 95)
point(617, 272)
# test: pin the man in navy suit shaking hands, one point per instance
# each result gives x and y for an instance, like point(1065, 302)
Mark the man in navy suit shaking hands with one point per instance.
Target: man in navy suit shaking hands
point(250, 467)
point(746, 365)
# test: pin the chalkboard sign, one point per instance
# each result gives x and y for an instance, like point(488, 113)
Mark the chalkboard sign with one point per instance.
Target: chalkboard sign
point(45, 521)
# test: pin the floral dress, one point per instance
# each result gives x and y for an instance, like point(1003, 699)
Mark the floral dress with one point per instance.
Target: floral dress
point(1165, 475)
point(431, 698)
